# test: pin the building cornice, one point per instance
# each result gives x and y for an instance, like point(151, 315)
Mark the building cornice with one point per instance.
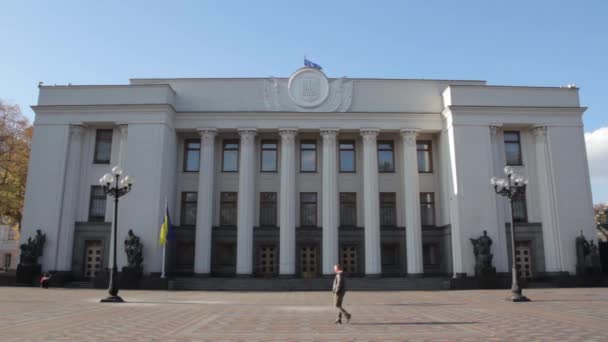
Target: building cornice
point(93, 108)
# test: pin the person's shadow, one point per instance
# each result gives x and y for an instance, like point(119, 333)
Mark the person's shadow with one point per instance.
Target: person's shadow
point(414, 323)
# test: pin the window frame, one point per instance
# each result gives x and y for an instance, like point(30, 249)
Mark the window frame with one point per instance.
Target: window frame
point(274, 202)
point(316, 203)
point(432, 204)
point(429, 143)
point(394, 207)
point(92, 197)
point(354, 208)
point(354, 151)
point(521, 197)
point(238, 153)
point(183, 208)
point(187, 149)
point(236, 207)
point(392, 149)
point(276, 155)
point(96, 160)
point(315, 149)
point(520, 161)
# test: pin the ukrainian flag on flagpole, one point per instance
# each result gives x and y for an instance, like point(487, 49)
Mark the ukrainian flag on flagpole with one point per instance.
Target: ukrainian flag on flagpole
point(166, 231)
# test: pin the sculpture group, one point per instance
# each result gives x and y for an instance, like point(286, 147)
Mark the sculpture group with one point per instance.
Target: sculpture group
point(587, 257)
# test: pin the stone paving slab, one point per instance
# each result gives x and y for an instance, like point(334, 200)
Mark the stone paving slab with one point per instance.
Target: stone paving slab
point(32, 314)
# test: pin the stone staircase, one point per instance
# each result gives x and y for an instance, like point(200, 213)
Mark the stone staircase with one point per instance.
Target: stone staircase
point(307, 284)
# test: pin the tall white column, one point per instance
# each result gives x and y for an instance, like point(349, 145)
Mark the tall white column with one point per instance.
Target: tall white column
point(371, 202)
point(501, 259)
point(551, 243)
point(65, 236)
point(246, 202)
point(287, 215)
point(411, 208)
point(330, 199)
point(204, 216)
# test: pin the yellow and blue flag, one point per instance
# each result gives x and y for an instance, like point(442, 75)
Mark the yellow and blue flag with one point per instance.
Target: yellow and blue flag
point(166, 229)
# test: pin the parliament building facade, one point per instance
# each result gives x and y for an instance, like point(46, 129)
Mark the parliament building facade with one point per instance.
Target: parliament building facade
point(276, 177)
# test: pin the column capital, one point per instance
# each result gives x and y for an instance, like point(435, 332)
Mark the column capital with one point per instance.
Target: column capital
point(494, 130)
point(329, 132)
point(369, 131)
point(207, 135)
point(247, 134)
point(288, 131)
point(540, 132)
point(76, 131)
point(409, 135)
point(123, 129)
point(207, 131)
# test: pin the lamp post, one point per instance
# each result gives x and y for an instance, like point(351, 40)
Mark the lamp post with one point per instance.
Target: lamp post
point(121, 188)
point(512, 185)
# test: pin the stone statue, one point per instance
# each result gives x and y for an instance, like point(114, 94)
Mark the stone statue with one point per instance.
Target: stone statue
point(133, 248)
point(483, 255)
point(587, 257)
point(32, 249)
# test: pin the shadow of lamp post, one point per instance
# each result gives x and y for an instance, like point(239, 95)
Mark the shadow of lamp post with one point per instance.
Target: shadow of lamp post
point(119, 189)
point(511, 186)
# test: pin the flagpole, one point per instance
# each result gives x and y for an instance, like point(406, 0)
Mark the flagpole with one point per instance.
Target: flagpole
point(162, 274)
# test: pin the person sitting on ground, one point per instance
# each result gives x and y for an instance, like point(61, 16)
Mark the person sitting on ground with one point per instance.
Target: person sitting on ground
point(45, 280)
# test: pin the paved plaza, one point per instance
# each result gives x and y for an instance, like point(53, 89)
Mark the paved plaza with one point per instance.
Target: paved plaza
point(32, 314)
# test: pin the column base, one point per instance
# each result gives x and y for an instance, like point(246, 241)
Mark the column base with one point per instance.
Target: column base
point(414, 275)
point(112, 299)
point(244, 276)
point(287, 276)
point(201, 275)
point(375, 275)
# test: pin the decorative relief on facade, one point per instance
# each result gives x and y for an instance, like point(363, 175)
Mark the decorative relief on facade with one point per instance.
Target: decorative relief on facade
point(308, 90)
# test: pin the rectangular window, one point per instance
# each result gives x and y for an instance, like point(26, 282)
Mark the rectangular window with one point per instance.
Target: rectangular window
point(97, 204)
point(268, 209)
point(269, 156)
point(386, 156)
point(425, 160)
point(7, 260)
point(308, 156)
point(308, 209)
point(228, 204)
point(388, 209)
point(430, 254)
point(230, 160)
point(520, 214)
point(347, 156)
point(103, 146)
point(192, 150)
point(189, 204)
point(513, 148)
point(427, 209)
point(348, 209)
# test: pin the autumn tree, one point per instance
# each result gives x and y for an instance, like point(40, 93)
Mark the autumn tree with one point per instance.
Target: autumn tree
point(15, 139)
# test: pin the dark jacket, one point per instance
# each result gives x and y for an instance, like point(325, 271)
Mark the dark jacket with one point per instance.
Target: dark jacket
point(339, 286)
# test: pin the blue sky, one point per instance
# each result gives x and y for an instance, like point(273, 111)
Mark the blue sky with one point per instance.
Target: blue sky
point(504, 42)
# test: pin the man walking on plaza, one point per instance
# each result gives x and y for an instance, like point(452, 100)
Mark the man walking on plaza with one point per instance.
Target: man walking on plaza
point(339, 290)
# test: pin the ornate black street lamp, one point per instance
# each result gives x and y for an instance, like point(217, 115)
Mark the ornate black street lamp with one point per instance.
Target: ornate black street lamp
point(510, 187)
point(121, 188)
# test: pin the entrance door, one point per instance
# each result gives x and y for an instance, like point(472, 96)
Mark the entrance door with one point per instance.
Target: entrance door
point(348, 259)
point(92, 262)
point(308, 261)
point(267, 260)
point(523, 259)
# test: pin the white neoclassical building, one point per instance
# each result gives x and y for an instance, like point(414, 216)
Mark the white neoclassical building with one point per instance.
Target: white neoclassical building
point(288, 176)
